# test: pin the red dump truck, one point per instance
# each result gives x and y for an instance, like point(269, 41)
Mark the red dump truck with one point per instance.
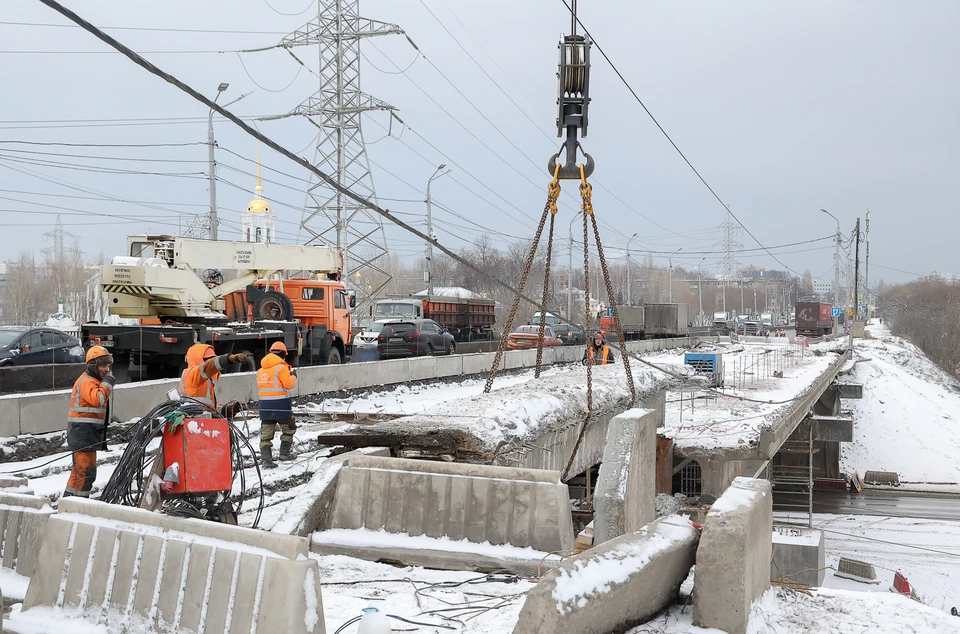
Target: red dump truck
point(814, 319)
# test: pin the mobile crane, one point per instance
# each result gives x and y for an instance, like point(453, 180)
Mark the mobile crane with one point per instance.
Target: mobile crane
point(231, 295)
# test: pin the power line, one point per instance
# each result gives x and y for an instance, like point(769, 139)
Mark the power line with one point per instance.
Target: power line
point(146, 28)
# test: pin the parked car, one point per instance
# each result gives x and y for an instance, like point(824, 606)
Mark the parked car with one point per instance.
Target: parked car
point(525, 337)
point(25, 345)
point(570, 334)
point(414, 338)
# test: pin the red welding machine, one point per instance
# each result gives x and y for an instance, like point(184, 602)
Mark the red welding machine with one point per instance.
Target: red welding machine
point(201, 448)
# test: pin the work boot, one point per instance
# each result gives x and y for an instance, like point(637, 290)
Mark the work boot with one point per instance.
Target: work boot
point(266, 457)
point(286, 450)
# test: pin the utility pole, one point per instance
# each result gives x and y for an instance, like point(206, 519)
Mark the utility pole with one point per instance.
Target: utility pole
point(836, 272)
point(213, 166)
point(629, 295)
point(866, 268)
point(671, 273)
point(856, 281)
point(433, 237)
point(570, 270)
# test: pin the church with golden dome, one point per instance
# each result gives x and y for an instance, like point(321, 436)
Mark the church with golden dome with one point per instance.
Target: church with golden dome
point(258, 220)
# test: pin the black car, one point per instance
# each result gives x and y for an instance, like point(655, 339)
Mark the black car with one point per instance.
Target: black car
point(25, 345)
point(571, 334)
point(414, 338)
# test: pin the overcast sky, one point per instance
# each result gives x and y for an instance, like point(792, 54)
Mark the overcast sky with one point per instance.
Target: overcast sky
point(784, 108)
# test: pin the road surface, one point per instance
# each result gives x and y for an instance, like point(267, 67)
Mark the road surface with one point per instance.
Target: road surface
point(926, 507)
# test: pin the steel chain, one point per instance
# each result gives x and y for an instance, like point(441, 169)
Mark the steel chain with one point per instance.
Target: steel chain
point(516, 299)
point(616, 317)
point(587, 210)
point(543, 302)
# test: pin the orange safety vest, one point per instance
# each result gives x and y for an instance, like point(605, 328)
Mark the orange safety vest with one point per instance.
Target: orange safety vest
point(198, 386)
point(86, 405)
point(603, 358)
point(269, 387)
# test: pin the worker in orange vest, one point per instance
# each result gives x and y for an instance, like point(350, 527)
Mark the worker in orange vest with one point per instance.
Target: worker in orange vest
point(199, 380)
point(274, 380)
point(87, 420)
point(598, 353)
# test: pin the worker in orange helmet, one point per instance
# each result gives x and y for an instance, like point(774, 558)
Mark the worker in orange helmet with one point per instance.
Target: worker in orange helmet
point(598, 352)
point(199, 380)
point(87, 420)
point(274, 380)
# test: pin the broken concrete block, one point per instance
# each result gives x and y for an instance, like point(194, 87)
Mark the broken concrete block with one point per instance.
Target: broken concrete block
point(614, 586)
point(798, 556)
point(733, 559)
point(856, 570)
point(624, 499)
point(884, 478)
point(23, 519)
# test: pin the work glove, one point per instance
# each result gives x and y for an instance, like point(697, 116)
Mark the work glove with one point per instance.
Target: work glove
point(167, 486)
point(109, 380)
point(293, 372)
point(240, 357)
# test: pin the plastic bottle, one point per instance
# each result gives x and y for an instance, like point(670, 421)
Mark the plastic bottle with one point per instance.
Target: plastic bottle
point(374, 622)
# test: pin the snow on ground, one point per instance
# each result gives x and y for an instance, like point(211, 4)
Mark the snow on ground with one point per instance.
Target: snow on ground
point(826, 612)
point(724, 419)
point(909, 418)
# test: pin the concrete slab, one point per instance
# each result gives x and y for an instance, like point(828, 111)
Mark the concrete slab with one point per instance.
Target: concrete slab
point(106, 566)
point(309, 511)
point(798, 556)
point(733, 558)
point(10, 416)
point(625, 490)
point(501, 505)
point(614, 586)
point(23, 519)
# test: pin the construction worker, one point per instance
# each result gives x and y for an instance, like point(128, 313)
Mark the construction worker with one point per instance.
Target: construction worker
point(199, 380)
point(87, 420)
point(274, 380)
point(598, 353)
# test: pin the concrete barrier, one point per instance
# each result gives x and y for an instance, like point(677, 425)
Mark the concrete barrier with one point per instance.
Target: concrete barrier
point(733, 559)
point(797, 556)
point(624, 499)
point(23, 520)
point(140, 570)
point(615, 586)
point(46, 412)
point(35, 378)
point(436, 502)
point(309, 511)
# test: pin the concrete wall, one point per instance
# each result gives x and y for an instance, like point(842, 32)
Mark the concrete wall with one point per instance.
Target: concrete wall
point(624, 499)
point(733, 559)
point(46, 412)
point(23, 520)
point(98, 562)
point(479, 503)
point(614, 586)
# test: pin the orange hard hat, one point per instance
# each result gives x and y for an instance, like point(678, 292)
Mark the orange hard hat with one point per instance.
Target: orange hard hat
point(99, 354)
point(278, 347)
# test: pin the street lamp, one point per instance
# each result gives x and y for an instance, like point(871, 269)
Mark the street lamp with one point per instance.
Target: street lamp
point(836, 271)
point(700, 288)
point(670, 260)
point(211, 143)
point(570, 269)
point(629, 296)
point(430, 233)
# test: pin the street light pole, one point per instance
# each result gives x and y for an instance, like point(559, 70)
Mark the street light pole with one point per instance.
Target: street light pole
point(629, 295)
point(430, 232)
point(570, 269)
point(836, 271)
point(700, 289)
point(671, 273)
point(211, 144)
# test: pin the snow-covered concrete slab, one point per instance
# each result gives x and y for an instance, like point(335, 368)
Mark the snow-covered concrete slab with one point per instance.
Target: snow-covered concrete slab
point(615, 585)
point(23, 520)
